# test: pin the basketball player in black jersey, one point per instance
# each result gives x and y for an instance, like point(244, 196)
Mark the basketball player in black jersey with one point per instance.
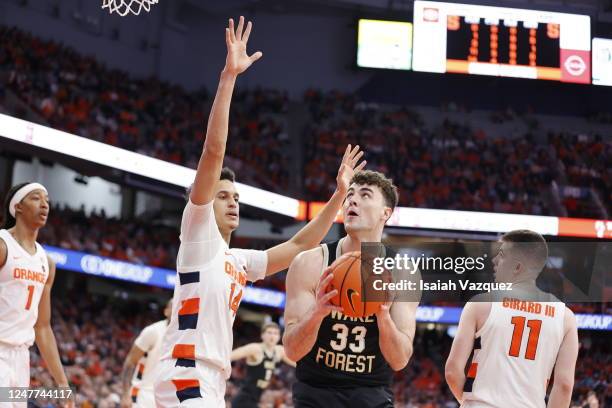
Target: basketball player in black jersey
point(343, 361)
point(261, 363)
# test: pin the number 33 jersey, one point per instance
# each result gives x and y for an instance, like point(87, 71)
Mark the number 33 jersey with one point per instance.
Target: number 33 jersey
point(346, 353)
point(210, 284)
point(22, 282)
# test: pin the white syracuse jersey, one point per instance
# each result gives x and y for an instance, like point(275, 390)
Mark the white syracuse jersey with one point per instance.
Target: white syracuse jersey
point(149, 340)
point(210, 284)
point(514, 355)
point(22, 281)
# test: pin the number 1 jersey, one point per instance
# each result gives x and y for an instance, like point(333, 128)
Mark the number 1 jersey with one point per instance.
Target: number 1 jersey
point(22, 282)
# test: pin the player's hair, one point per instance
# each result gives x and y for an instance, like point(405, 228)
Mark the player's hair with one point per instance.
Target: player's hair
point(376, 178)
point(226, 174)
point(530, 244)
point(8, 221)
point(269, 325)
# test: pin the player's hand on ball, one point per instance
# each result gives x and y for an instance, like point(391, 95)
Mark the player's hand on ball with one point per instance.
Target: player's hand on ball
point(348, 167)
point(238, 60)
point(384, 311)
point(323, 306)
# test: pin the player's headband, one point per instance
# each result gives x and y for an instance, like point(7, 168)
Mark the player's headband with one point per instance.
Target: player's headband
point(22, 193)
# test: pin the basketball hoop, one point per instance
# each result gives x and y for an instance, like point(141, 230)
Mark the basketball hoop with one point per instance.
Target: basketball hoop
point(124, 7)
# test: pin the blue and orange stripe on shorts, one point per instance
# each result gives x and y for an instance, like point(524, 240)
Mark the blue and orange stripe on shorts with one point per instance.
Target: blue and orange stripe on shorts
point(187, 389)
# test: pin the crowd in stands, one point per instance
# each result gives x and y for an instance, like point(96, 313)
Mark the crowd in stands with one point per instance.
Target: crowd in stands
point(448, 165)
point(80, 95)
point(587, 163)
point(138, 241)
point(94, 334)
point(453, 165)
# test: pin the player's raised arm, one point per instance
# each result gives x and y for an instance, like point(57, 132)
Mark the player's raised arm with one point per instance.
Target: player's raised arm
point(245, 351)
point(280, 256)
point(565, 366)
point(45, 339)
point(211, 160)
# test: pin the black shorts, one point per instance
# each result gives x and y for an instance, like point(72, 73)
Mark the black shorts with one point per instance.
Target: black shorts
point(307, 396)
point(245, 400)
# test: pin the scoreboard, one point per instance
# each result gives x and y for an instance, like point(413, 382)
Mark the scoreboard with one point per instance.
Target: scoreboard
point(602, 61)
point(498, 41)
point(384, 44)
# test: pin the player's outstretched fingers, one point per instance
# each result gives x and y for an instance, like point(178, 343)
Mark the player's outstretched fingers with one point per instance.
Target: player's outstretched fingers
point(239, 29)
point(256, 56)
point(232, 30)
point(361, 166)
point(356, 158)
point(247, 32)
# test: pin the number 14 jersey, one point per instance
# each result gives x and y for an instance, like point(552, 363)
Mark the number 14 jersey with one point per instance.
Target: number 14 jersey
point(210, 283)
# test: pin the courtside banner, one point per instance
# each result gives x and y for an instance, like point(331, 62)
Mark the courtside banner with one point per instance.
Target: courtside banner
point(147, 275)
point(451, 315)
point(442, 314)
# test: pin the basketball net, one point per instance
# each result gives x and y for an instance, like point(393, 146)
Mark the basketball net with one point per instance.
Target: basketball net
point(124, 7)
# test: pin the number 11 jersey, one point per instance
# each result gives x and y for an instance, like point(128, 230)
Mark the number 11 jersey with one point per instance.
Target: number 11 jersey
point(514, 355)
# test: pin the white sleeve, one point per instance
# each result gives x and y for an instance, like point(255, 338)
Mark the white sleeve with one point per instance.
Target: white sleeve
point(256, 263)
point(200, 237)
point(146, 339)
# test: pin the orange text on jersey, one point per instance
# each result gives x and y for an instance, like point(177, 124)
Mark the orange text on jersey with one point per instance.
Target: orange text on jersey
point(26, 274)
point(524, 306)
point(240, 277)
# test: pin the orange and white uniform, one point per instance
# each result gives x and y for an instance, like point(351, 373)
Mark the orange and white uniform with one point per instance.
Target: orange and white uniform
point(22, 281)
point(149, 340)
point(195, 356)
point(514, 355)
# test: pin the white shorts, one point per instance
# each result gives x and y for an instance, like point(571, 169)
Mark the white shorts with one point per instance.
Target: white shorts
point(143, 397)
point(199, 386)
point(14, 370)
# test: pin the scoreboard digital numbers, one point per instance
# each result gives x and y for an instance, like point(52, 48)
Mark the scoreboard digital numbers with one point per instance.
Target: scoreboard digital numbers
point(499, 41)
point(384, 44)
